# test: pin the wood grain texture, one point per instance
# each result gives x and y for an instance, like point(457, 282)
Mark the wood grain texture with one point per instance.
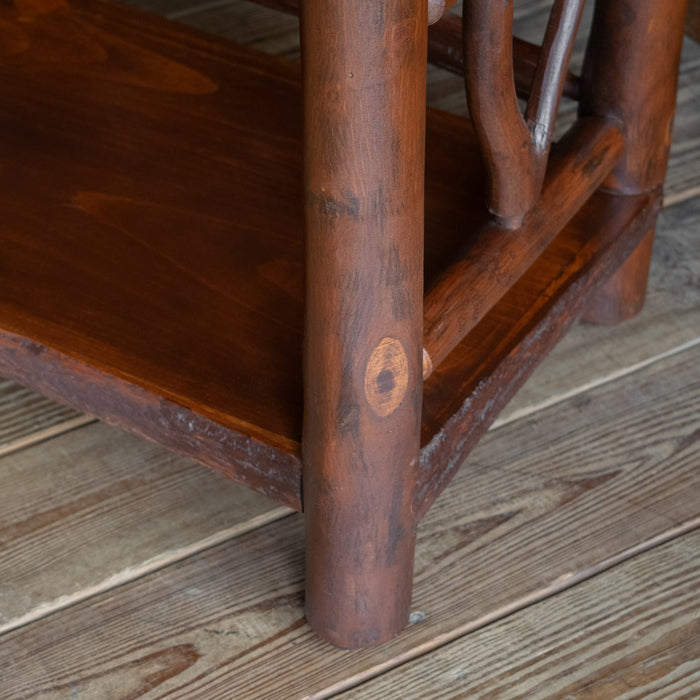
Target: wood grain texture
point(495, 256)
point(156, 335)
point(515, 149)
point(471, 386)
point(246, 22)
point(96, 507)
point(26, 417)
point(118, 221)
point(606, 350)
point(445, 91)
point(364, 206)
point(632, 631)
point(616, 56)
point(670, 319)
point(540, 504)
point(692, 22)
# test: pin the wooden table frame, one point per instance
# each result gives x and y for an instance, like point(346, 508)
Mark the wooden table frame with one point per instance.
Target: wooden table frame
point(391, 404)
point(364, 340)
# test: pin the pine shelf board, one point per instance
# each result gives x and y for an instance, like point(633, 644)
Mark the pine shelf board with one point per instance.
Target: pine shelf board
point(152, 262)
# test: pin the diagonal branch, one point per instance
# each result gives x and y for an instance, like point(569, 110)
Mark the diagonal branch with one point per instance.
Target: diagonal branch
point(551, 72)
point(515, 149)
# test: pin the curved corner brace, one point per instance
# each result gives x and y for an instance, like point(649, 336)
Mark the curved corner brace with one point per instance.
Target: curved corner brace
point(515, 148)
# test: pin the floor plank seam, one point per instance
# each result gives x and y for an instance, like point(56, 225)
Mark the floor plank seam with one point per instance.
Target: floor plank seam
point(146, 568)
point(561, 584)
point(85, 420)
point(680, 197)
point(601, 381)
point(45, 434)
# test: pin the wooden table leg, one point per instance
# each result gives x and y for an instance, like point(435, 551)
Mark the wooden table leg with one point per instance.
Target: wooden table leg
point(364, 65)
point(630, 74)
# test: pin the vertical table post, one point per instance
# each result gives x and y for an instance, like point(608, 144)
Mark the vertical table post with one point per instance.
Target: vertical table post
point(630, 74)
point(364, 73)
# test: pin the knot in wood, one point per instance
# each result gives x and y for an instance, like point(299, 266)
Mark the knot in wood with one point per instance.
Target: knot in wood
point(386, 377)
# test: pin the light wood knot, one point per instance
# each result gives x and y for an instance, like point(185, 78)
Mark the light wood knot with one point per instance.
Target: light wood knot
point(386, 378)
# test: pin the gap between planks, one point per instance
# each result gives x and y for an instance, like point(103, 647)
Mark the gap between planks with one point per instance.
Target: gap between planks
point(279, 512)
point(680, 197)
point(173, 556)
point(593, 384)
point(628, 632)
point(563, 583)
point(149, 566)
point(53, 431)
point(661, 507)
point(176, 555)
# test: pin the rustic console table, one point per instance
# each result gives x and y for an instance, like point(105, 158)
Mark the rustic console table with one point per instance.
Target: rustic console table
point(164, 195)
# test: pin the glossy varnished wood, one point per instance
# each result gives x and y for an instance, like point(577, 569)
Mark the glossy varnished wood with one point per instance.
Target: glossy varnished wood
point(541, 504)
point(494, 257)
point(616, 57)
point(168, 295)
point(364, 160)
point(464, 395)
point(131, 316)
point(120, 251)
point(515, 148)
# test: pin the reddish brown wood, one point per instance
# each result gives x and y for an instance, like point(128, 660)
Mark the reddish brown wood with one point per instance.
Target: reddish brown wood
point(446, 50)
point(116, 308)
point(630, 74)
point(139, 249)
point(151, 267)
point(623, 295)
point(550, 75)
point(515, 149)
point(495, 257)
point(364, 101)
point(269, 465)
point(466, 393)
point(493, 105)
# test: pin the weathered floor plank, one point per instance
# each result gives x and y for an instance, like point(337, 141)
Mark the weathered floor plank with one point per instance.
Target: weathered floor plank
point(102, 460)
point(588, 354)
point(27, 418)
point(670, 321)
point(234, 612)
point(631, 632)
point(540, 504)
point(93, 508)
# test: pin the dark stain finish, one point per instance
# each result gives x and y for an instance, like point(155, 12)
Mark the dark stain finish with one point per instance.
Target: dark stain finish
point(158, 219)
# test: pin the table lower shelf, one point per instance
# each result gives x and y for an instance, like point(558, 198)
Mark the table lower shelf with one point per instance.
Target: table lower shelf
point(152, 264)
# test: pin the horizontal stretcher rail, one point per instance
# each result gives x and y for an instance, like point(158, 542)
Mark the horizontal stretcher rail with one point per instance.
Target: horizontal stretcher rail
point(495, 257)
point(445, 50)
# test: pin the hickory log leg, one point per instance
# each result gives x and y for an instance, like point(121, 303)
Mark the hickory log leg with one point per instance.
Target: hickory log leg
point(631, 75)
point(364, 71)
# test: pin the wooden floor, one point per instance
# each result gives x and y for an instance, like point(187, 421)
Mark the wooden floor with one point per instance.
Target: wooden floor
point(563, 561)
